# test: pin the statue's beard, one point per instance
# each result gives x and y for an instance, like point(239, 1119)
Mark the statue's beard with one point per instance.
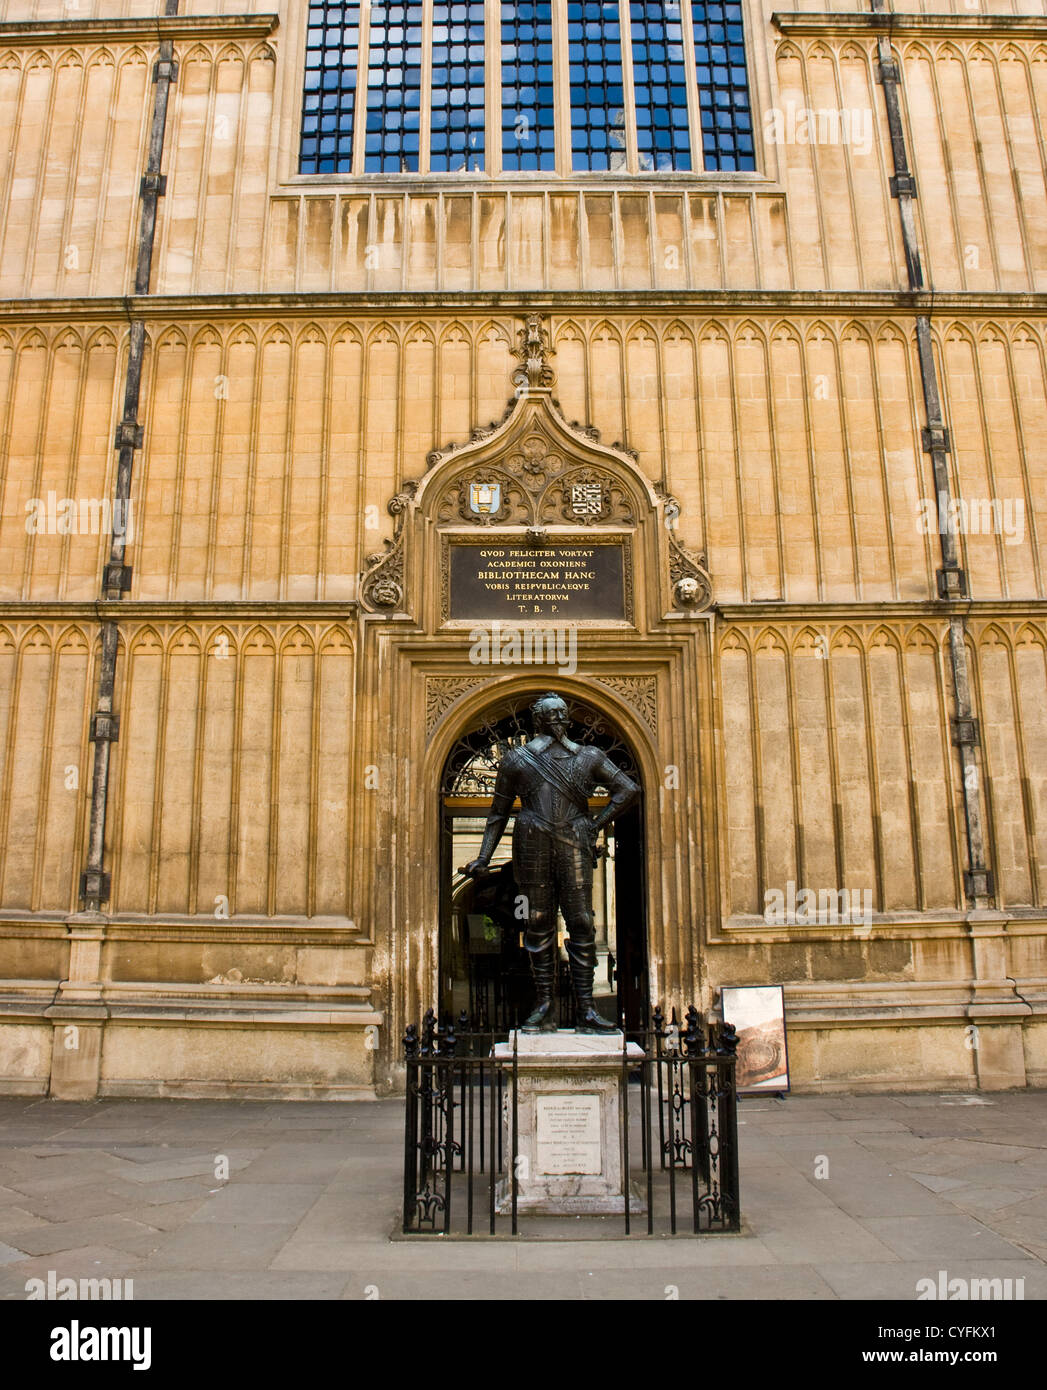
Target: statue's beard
point(560, 736)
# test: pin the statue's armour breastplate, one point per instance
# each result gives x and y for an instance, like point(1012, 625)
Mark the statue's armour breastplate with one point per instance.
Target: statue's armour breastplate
point(544, 797)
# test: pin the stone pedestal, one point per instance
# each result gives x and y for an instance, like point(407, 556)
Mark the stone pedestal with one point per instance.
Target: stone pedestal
point(569, 1142)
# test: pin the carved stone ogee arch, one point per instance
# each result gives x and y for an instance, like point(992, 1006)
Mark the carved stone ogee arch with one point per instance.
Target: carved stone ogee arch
point(548, 479)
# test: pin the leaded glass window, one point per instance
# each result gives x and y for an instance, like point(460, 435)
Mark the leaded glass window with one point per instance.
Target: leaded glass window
point(601, 86)
point(329, 99)
point(394, 89)
point(528, 134)
point(594, 52)
point(723, 85)
point(663, 138)
point(456, 138)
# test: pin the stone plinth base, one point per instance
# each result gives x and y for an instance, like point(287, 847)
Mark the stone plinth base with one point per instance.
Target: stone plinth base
point(534, 1205)
point(569, 1147)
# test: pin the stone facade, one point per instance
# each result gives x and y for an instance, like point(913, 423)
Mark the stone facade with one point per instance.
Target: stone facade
point(773, 385)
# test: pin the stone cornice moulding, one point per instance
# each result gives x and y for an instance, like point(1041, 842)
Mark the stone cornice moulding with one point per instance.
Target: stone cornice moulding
point(38, 34)
point(853, 303)
point(205, 610)
point(873, 610)
point(991, 26)
point(346, 610)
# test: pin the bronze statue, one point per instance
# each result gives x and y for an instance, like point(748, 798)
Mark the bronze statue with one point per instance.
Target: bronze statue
point(554, 850)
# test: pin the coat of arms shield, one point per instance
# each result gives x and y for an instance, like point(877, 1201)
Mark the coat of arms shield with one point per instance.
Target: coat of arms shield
point(485, 498)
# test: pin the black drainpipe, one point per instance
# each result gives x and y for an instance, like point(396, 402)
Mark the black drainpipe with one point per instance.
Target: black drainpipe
point(951, 579)
point(116, 581)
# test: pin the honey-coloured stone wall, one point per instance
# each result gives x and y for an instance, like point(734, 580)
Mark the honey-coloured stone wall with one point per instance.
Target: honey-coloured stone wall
point(749, 344)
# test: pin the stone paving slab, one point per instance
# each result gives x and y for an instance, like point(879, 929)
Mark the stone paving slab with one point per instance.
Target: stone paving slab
point(174, 1169)
point(293, 1163)
point(760, 1281)
point(166, 1193)
point(125, 1188)
point(87, 1261)
point(233, 1285)
point(259, 1203)
point(466, 1284)
point(220, 1246)
point(1015, 1177)
point(895, 1194)
point(169, 1217)
point(947, 1237)
point(72, 1204)
point(16, 1219)
point(821, 1237)
point(983, 1199)
point(732, 1253)
point(119, 1233)
point(938, 1183)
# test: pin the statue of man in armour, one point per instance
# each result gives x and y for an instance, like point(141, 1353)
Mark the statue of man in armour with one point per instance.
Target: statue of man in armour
point(554, 850)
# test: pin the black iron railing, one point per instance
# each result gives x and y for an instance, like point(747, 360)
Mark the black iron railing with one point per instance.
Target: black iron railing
point(678, 1128)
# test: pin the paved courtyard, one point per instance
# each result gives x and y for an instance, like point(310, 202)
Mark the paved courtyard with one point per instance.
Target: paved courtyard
point(128, 1189)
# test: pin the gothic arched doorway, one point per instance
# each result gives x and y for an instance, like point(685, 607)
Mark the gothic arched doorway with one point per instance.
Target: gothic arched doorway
point(483, 967)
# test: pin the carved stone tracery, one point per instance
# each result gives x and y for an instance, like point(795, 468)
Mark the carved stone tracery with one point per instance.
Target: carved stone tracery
point(640, 693)
point(535, 484)
point(441, 692)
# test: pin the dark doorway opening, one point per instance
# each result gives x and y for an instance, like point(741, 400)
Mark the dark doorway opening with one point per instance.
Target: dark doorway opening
point(483, 967)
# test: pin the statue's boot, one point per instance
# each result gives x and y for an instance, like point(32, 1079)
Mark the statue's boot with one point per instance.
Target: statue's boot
point(542, 1018)
point(583, 967)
